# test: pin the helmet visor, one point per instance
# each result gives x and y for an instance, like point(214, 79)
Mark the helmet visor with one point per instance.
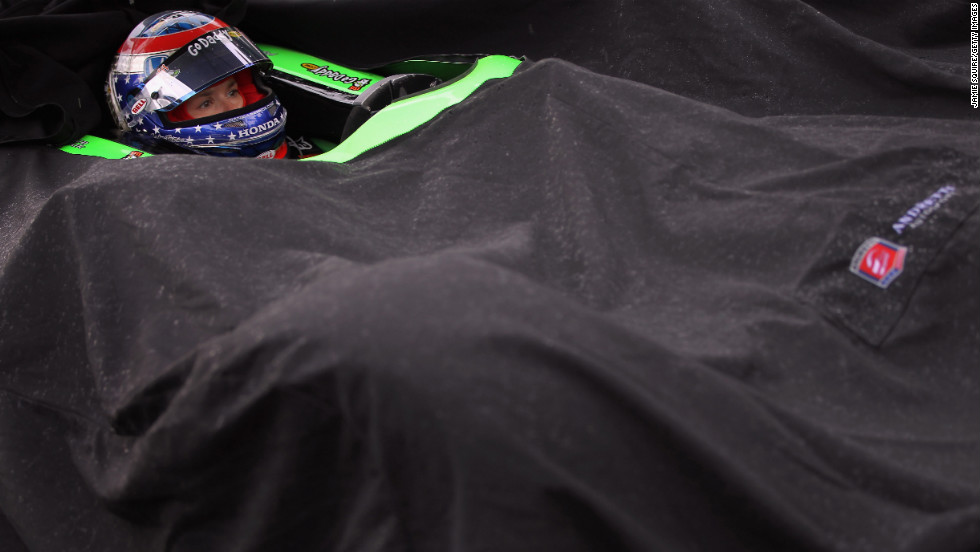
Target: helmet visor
point(198, 64)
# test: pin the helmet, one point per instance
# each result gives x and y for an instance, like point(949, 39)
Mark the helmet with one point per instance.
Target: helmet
point(173, 55)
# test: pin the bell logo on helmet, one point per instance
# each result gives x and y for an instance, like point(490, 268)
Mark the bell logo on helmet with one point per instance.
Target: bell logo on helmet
point(138, 106)
point(879, 261)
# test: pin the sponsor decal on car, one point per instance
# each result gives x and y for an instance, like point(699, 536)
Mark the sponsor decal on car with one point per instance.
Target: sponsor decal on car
point(325, 71)
point(879, 261)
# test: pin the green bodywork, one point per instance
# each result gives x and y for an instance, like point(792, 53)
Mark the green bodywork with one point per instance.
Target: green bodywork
point(100, 147)
point(319, 71)
point(407, 114)
point(398, 118)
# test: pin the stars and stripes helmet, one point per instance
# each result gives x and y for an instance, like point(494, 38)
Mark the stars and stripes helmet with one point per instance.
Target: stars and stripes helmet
point(173, 55)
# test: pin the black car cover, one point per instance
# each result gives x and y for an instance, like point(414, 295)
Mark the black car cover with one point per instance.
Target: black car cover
point(702, 275)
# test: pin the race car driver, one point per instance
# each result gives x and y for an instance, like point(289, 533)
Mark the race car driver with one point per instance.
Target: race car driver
point(187, 81)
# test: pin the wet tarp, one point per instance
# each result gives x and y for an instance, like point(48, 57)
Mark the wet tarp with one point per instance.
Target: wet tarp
point(700, 276)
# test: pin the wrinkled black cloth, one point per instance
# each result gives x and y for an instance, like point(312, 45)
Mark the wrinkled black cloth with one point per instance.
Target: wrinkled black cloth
point(604, 304)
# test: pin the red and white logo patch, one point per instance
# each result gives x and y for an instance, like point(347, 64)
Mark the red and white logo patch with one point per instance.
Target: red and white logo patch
point(879, 261)
point(138, 106)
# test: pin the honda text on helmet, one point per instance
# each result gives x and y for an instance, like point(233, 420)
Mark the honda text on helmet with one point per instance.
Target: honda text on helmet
point(193, 81)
